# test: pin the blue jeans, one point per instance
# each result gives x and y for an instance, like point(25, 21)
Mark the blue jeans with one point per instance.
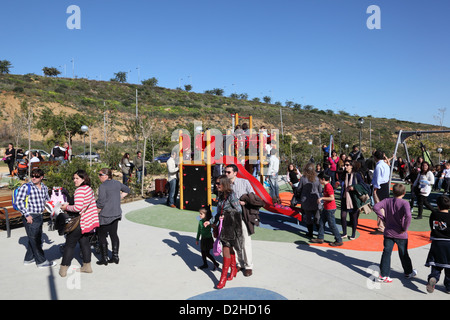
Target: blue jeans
point(273, 186)
point(138, 176)
point(171, 199)
point(34, 234)
point(436, 273)
point(402, 245)
point(328, 216)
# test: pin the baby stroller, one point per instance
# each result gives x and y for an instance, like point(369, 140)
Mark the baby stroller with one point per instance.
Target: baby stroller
point(21, 168)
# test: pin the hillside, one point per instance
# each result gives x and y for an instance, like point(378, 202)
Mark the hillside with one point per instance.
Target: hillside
point(173, 108)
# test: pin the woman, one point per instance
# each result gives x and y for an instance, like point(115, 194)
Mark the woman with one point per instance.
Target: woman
point(84, 204)
point(293, 176)
point(308, 191)
point(340, 173)
point(333, 161)
point(126, 168)
point(422, 188)
point(351, 178)
point(110, 193)
point(229, 212)
point(10, 157)
point(67, 152)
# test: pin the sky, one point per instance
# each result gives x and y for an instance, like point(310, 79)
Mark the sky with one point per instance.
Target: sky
point(393, 62)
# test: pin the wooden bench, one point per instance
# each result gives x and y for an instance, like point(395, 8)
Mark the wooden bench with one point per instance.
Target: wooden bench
point(8, 214)
point(39, 164)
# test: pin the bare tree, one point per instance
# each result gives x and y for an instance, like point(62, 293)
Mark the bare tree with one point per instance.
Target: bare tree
point(440, 119)
point(146, 126)
point(28, 114)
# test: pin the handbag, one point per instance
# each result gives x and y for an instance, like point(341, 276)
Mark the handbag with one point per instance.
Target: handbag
point(294, 201)
point(73, 222)
point(217, 246)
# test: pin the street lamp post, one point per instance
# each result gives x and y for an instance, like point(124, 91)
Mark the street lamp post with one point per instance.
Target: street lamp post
point(339, 131)
point(439, 150)
point(361, 122)
point(85, 129)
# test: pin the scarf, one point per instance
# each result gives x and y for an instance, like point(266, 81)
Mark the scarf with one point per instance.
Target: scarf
point(348, 198)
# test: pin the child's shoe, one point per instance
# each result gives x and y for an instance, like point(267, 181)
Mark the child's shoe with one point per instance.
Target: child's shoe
point(384, 279)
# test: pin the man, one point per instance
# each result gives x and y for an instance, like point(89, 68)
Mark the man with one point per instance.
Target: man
point(139, 167)
point(272, 176)
point(356, 154)
point(34, 157)
point(58, 152)
point(241, 187)
point(172, 179)
point(380, 183)
point(31, 210)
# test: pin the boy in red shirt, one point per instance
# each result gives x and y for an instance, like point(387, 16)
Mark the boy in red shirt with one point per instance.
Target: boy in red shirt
point(327, 214)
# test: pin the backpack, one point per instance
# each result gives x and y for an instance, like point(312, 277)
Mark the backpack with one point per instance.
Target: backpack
point(14, 196)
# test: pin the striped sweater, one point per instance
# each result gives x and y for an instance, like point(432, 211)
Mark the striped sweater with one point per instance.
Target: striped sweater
point(84, 198)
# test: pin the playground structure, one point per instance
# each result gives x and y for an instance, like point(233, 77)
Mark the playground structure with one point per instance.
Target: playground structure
point(401, 139)
point(213, 149)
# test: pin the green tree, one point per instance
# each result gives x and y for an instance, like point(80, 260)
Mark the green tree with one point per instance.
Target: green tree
point(187, 87)
point(152, 82)
point(50, 72)
point(62, 125)
point(5, 65)
point(267, 99)
point(120, 76)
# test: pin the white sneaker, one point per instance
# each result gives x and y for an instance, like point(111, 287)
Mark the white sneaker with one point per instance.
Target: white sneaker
point(47, 264)
point(412, 274)
point(29, 262)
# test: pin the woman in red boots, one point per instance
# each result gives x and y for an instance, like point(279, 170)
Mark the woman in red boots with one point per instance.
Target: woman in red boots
point(229, 214)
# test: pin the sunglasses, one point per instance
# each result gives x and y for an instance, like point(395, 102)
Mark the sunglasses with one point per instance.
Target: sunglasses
point(218, 183)
point(101, 174)
point(35, 176)
point(228, 172)
point(348, 165)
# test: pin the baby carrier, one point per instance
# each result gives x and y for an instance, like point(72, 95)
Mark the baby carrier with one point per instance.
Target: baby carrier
point(57, 198)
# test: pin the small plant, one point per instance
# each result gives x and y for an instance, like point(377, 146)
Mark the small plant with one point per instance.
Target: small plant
point(14, 183)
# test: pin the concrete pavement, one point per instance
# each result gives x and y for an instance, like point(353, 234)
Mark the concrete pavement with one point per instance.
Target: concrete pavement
point(161, 264)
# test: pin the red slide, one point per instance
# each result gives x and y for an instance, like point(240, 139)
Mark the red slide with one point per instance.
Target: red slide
point(261, 192)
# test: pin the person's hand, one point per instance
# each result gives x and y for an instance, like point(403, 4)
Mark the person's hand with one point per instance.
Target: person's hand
point(206, 223)
point(242, 203)
point(64, 206)
point(29, 219)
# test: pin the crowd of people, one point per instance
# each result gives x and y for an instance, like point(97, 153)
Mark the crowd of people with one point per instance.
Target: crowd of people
point(360, 184)
point(95, 216)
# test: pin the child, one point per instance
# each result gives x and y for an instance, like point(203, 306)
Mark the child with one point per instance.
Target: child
point(445, 176)
point(206, 237)
point(396, 215)
point(439, 255)
point(329, 208)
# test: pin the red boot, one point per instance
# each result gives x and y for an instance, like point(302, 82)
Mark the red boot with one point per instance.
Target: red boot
point(223, 277)
point(233, 271)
